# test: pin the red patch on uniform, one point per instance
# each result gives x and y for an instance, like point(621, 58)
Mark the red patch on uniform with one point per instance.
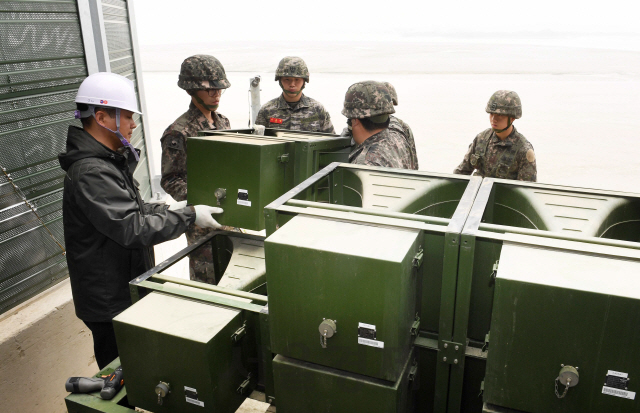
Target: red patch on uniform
point(275, 120)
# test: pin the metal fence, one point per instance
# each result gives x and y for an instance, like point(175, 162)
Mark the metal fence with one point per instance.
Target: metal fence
point(42, 63)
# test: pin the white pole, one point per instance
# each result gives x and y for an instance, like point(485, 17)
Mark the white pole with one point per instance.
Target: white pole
point(254, 99)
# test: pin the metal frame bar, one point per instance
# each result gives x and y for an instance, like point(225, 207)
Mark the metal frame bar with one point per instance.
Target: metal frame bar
point(94, 36)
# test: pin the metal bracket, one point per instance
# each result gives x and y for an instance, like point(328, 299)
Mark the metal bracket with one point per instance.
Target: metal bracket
point(415, 327)
point(413, 371)
point(241, 332)
point(284, 158)
point(494, 273)
point(486, 342)
point(243, 386)
point(451, 352)
point(417, 260)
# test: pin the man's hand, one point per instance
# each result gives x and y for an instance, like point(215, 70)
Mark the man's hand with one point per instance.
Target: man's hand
point(204, 218)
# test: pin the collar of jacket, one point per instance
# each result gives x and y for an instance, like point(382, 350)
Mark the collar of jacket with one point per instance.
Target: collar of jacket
point(81, 145)
point(508, 141)
point(195, 114)
point(383, 134)
point(302, 103)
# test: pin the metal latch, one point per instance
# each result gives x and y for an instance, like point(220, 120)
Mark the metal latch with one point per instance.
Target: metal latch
point(413, 371)
point(284, 158)
point(243, 386)
point(494, 273)
point(241, 332)
point(415, 327)
point(417, 260)
point(485, 346)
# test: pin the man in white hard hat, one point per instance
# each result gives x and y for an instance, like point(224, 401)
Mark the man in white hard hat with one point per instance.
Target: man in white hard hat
point(109, 230)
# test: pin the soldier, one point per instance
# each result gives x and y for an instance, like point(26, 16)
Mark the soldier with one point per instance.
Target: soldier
point(204, 79)
point(294, 110)
point(367, 106)
point(403, 128)
point(501, 151)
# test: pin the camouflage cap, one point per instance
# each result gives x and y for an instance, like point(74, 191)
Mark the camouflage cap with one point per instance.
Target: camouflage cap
point(292, 66)
point(505, 102)
point(201, 72)
point(367, 99)
point(392, 91)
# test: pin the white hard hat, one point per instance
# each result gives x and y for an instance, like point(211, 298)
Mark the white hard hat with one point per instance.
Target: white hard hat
point(110, 90)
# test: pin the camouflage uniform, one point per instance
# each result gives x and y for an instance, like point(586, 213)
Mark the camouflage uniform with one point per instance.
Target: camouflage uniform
point(399, 126)
point(197, 73)
point(492, 157)
point(305, 115)
point(386, 148)
point(404, 129)
point(512, 158)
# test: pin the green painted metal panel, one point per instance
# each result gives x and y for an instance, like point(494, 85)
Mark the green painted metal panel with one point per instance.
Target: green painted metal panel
point(255, 170)
point(187, 344)
point(350, 273)
point(311, 388)
point(554, 307)
point(236, 165)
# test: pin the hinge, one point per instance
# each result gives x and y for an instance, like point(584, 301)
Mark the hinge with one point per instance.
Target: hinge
point(243, 386)
point(415, 327)
point(284, 158)
point(417, 260)
point(235, 337)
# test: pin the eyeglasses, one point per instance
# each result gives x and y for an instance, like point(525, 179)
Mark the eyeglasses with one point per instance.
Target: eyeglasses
point(214, 92)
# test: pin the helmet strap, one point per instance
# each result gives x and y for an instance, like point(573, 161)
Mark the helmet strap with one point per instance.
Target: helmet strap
point(117, 132)
point(502, 130)
point(212, 108)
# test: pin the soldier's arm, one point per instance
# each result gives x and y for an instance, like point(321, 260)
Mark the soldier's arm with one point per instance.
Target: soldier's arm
point(527, 170)
point(261, 118)
point(174, 165)
point(465, 167)
point(327, 126)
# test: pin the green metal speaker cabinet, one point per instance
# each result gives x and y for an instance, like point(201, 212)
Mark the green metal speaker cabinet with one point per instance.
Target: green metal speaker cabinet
point(343, 295)
point(243, 173)
point(307, 387)
point(187, 346)
point(503, 210)
point(565, 330)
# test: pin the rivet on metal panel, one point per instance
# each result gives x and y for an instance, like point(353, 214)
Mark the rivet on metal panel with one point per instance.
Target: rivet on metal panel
point(455, 361)
point(444, 359)
point(446, 345)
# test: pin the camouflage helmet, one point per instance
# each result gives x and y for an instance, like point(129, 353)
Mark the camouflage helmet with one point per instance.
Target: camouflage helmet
point(367, 99)
point(505, 102)
point(201, 72)
point(392, 91)
point(292, 66)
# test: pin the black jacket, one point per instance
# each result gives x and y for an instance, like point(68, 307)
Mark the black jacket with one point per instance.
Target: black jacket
point(109, 231)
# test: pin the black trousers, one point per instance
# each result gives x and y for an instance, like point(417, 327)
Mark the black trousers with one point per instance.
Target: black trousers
point(104, 342)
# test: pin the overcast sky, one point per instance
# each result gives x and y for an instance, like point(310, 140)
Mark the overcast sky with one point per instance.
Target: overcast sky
point(200, 21)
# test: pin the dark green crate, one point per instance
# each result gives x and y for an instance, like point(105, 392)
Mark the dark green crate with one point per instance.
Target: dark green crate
point(310, 388)
point(350, 273)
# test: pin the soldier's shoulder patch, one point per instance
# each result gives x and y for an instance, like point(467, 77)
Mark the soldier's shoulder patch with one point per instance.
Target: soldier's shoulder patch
point(531, 156)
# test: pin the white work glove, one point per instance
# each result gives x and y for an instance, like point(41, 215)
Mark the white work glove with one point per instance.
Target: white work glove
point(258, 130)
point(178, 205)
point(204, 218)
